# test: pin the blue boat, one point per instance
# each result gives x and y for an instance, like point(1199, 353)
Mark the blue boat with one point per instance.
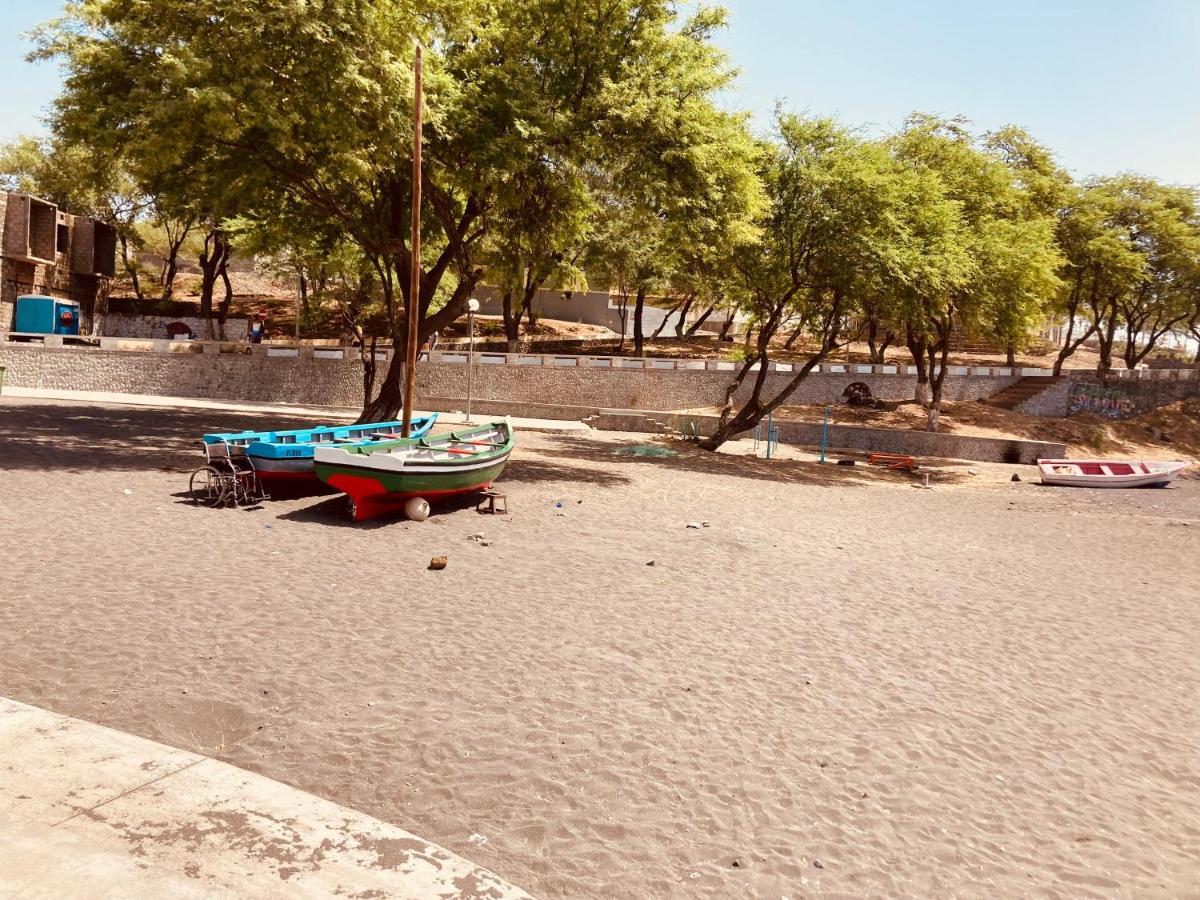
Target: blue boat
point(280, 456)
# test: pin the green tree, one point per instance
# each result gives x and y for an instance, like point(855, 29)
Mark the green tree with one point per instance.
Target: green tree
point(678, 170)
point(1132, 252)
point(308, 103)
point(842, 216)
point(538, 234)
point(1003, 267)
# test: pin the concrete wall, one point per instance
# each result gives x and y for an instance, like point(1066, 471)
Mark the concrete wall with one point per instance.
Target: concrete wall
point(196, 370)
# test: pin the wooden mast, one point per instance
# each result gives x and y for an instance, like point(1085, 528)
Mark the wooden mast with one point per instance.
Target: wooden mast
point(413, 311)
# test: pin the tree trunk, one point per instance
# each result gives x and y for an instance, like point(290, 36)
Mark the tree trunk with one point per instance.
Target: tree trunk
point(532, 316)
point(390, 400)
point(171, 268)
point(1069, 348)
point(876, 347)
point(681, 322)
point(130, 265)
point(793, 337)
point(1130, 355)
point(916, 348)
point(753, 411)
point(227, 300)
point(512, 324)
point(695, 326)
point(939, 354)
point(212, 258)
point(1010, 356)
point(725, 326)
point(623, 316)
point(639, 305)
point(1107, 336)
point(665, 319)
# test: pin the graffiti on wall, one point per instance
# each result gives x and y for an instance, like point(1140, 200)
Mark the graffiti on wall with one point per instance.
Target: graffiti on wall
point(1101, 400)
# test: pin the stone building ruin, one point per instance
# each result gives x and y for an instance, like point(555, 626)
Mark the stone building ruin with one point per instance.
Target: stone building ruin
point(44, 250)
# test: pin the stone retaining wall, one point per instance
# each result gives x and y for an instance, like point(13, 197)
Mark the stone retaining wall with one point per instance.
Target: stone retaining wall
point(325, 377)
point(128, 325)
point(1113, 398)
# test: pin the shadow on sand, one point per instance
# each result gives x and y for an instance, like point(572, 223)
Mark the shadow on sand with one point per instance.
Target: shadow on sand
point(691, 458)
point(79, 437)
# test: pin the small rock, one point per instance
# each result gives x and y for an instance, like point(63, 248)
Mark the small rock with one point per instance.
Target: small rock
point(439, 562)
point(737, 863)
point(184, 690)
point(650, 563)
point(127, 491)
point(695, 525)
point(1016, 477)
point(972, 471)
point(817, 864)
point(477, 536)
point(485, 543)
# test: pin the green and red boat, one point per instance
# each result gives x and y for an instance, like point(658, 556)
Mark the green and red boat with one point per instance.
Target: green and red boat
point(385, 476)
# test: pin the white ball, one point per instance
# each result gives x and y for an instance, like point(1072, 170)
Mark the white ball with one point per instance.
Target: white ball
point(417, 509)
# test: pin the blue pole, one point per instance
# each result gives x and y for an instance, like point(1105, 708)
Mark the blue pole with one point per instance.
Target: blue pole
point(770, 417)
point(824, 434)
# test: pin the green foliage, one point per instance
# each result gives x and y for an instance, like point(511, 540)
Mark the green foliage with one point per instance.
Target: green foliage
point(1133, 261)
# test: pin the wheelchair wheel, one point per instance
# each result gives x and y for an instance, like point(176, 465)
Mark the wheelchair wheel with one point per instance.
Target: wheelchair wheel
point(207, 486)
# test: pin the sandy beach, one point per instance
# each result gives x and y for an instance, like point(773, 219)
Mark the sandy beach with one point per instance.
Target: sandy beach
point(841, 686)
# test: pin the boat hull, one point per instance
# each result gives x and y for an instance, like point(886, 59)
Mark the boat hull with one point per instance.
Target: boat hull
point(382, 480)
point(1108, 473)
point(374, 495)
point(286, 457)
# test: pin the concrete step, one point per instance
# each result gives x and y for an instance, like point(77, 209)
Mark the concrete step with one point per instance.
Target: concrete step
point(1025, 389)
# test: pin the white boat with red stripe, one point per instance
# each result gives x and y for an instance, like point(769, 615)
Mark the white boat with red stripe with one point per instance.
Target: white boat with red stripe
point(1109, 473)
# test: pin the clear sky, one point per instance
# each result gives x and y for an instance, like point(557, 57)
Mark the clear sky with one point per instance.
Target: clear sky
point(1110, 85)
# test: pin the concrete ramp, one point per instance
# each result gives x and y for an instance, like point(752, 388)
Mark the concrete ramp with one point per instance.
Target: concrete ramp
point(86, 811)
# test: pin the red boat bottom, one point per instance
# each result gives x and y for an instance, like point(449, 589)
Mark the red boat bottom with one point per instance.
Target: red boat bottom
point(367, 502)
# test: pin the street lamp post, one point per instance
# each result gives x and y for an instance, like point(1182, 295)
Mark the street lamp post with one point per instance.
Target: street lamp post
point(472, 308)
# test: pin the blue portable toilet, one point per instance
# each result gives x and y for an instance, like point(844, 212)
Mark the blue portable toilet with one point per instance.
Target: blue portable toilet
point(37, 314)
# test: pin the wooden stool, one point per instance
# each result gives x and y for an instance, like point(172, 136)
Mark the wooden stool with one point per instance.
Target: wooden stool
point(489, 501)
